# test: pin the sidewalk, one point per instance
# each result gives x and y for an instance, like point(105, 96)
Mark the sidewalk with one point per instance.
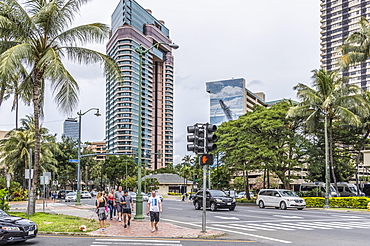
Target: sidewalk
point(115, 228)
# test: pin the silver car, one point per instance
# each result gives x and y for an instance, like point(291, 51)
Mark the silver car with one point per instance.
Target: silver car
point(282, 199)
point(71, 197)
point(85, 194)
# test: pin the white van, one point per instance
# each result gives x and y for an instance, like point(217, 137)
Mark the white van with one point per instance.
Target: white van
point(305, 187)
point(346, 189)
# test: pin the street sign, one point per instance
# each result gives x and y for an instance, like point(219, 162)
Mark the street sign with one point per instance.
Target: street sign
point(73, 160)
point(44, 180)
point(27, 173)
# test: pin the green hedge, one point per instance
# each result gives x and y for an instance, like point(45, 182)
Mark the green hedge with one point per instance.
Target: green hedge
point(245, 200)
point(338, 202)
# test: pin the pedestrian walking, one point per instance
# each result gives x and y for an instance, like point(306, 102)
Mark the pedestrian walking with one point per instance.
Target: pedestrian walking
point(154, 208)
point(117, 196)
point(127, 205)
point(100, 206)
point(112, 205)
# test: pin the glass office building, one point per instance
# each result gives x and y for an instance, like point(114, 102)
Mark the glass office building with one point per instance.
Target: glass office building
point(70, 128)
point(132, 26)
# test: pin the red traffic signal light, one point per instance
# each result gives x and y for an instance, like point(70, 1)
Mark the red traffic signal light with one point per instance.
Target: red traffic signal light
point(206, 159)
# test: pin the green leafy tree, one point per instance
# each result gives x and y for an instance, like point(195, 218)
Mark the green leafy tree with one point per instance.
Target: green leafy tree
point(115, 169)
point(36, 34)
point(329, 96)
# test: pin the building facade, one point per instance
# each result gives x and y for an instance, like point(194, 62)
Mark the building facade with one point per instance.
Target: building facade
point(70, 128)
point(230, 99)
point(98, 147)
point(132, 27)
point(339, 19)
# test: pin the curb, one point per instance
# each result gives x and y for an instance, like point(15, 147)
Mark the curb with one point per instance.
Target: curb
point(101, 235)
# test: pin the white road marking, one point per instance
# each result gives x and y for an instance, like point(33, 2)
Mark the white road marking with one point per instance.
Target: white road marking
point(290, 225)
point(233, 231)
point(233, 227)
point(227, 218)
point(288, 217)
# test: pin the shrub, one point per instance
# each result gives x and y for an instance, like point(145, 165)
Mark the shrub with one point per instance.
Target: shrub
point(245, 200)
point(338, 202)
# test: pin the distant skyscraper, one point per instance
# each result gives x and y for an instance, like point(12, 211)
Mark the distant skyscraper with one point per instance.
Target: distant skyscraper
point(229, 99)
point(339, 19)
point(133, 26)
point(70, 128)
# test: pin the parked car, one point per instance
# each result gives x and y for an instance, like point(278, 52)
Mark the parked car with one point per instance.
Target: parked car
point(16, 229)
point(157, 195)
point(346, 189)
point(282, 199)
point(146, 197)
point(305, 187)
point(215, 199)
point(243, 195)
point(231, 193)
point(71, 197)
point(133, 195)
point(62, 193)
point(85, 194)
point(93, 193)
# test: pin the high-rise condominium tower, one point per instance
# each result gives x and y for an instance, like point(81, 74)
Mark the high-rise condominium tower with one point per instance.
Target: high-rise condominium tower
point(339, 18)
point(133, 26)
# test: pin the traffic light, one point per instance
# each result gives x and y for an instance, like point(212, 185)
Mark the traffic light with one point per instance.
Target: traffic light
point(211, 138)
point(195, 177)
point(197, 139)
point(206, 159)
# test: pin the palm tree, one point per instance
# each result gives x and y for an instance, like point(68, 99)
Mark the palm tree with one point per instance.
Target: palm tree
point(40, 39)
point(15, 148)
point(331, 96)
point(356, 47)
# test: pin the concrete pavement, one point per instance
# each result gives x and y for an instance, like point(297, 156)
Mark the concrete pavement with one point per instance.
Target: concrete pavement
point(115, 228)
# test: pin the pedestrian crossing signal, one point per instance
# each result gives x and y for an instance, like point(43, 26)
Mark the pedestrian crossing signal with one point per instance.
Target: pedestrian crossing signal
point(206, 159)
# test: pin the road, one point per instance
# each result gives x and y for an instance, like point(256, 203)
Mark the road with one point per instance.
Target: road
point(46, 240)
point(276, 227)
point(258, 226)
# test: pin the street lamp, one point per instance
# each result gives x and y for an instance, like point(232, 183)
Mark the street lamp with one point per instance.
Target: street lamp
point(139, 197)
point(325, 112)
point(80, 114)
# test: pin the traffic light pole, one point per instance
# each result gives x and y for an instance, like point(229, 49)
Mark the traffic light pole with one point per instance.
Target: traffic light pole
point(204, 198)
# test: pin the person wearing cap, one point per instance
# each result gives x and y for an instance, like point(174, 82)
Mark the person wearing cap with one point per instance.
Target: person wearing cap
point(127, 205)
point(154, 208)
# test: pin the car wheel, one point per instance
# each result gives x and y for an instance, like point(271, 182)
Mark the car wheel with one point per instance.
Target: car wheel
point(261, 204)
point(283, 205)
point(232, 208)
point(213, 207)
point(197, 205)
point(300, 208)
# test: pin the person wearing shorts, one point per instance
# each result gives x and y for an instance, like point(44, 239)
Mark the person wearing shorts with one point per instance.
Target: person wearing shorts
point(117, 197)
point(127, 205)
point(154, 208)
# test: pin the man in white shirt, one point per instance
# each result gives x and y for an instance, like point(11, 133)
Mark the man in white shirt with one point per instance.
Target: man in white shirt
point(117, 196)
point(154, 207)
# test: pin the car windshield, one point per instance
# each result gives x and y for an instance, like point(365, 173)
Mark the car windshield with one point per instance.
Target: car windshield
point(71, 194)
point(132, 193)
point(2, 213)
point(242, 193)
point(288, 193)
point(353, 189)
point(217, 193)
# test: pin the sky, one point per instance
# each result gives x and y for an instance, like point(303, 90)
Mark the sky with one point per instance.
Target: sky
point(273, 44)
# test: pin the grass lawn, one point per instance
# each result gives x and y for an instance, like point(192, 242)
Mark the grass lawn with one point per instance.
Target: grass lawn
point(59, 223)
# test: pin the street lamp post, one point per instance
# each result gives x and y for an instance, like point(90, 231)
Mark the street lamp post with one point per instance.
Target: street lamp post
point(326, 160)
point(139, 197)
point(80, 114)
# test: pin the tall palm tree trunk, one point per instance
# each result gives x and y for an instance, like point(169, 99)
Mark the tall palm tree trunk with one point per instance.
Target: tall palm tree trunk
point(36, 112)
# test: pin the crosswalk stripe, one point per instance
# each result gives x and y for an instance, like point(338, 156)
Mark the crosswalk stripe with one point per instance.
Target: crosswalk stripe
point(324, 224)
point(289, 225)
point(110, 241)
point(311, 225)
point(233, 227)
point(258, 227)
point(276, 226)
